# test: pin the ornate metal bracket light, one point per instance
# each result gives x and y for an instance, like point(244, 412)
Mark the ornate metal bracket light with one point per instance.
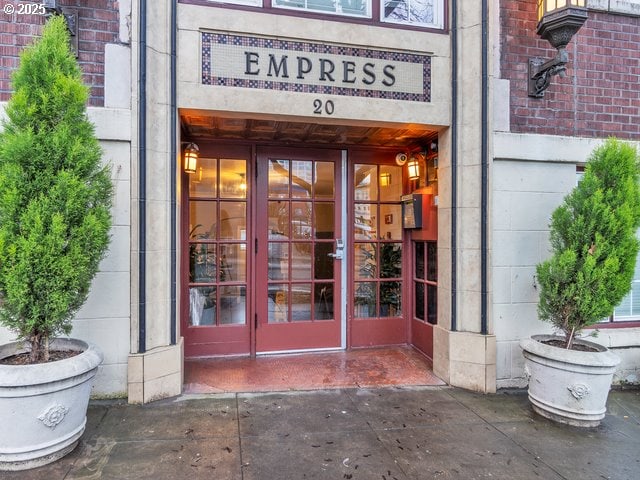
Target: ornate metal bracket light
point(558, 22)
point(70, 15)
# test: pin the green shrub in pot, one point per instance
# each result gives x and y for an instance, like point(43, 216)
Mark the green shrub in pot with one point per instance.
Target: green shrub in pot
point(594, 244)
point(55, 195)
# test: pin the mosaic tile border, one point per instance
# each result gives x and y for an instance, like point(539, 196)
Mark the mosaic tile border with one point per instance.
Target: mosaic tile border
point(210, 38)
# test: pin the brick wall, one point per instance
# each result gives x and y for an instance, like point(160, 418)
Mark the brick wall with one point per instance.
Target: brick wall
point(599, 97)
point(98, 24)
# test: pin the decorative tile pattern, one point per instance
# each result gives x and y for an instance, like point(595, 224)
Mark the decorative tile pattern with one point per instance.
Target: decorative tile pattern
point(225, 62)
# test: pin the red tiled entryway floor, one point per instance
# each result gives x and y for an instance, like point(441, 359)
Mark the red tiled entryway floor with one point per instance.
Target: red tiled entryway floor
point(374, 367)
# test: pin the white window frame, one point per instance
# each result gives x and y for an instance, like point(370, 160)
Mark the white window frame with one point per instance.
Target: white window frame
point(338, 11)
point(246, 3)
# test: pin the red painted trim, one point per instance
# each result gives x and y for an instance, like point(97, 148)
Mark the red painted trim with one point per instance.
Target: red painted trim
point(617, 324)
point(422, 337)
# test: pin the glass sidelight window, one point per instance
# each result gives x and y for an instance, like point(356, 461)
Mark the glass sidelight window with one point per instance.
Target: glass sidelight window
point(218, 242)
point(425, 278)
point(377, 241)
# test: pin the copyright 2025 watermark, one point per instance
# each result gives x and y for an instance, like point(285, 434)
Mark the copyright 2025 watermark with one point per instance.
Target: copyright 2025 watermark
point(23, 8)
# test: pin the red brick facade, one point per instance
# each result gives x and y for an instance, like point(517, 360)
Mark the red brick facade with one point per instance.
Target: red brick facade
point(599, 97)
point(98, 24)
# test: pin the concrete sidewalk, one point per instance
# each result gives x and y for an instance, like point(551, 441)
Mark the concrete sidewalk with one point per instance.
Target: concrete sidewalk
point(370, 434)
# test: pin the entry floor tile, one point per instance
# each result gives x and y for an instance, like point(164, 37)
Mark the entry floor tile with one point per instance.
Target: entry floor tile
point(362, 368)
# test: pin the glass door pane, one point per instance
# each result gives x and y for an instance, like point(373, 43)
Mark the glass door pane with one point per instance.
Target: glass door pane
point(298, 222)
point(300, 230)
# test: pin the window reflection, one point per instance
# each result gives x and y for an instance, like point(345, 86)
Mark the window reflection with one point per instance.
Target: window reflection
point(233, 305)
point(202, 263)
point(420, 12)
point(365, 300)
point(300, 302)
point(366, 182)
point(233, 179)
point(390, 299)
point(324, 180)
point(202, 220)
point(278, 178)
point(323, 301)
point(357, 8)
point(202, 303)
point(366, 262)
point(324, 221)
point(204, 182)
point(233, 220)
point(278, 303)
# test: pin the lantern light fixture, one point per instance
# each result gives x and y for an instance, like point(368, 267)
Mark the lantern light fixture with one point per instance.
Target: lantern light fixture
point(413, 167)
point(191, 154)
point(558, 22)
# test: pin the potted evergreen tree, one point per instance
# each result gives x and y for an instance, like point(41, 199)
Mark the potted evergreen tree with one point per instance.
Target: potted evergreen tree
point(594, 246)
point(55, 204)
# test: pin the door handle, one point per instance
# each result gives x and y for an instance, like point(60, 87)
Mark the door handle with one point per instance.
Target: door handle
point(339, 253)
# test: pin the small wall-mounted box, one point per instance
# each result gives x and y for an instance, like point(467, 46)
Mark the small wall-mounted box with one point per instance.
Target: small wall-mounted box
point(412, 210)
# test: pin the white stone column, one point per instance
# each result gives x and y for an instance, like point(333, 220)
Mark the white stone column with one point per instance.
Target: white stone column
point(464, 357)
point(155, 372)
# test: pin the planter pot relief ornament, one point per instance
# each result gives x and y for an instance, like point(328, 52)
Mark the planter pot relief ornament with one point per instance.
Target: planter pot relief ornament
point(568, 386)
point(43, 407)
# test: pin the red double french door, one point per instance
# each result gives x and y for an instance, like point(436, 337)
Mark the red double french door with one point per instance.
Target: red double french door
point(260, 258)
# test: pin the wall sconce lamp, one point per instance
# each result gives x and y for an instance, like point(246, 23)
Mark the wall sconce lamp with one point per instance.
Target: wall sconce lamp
point(191, 154)
point(558, 22)
point(413, 167)
point(385, 179)
point(70, 15)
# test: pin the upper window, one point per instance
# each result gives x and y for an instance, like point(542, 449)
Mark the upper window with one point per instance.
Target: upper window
point(423, 13)
point(248, 3)
point(354, 8)
point(417, 13)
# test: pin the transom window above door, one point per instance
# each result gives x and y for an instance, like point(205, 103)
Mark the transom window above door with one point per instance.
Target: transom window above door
point(415, 13)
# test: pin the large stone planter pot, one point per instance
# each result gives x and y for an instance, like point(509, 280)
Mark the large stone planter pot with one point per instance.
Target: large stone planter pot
point(568, 386)
point(43, 408)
